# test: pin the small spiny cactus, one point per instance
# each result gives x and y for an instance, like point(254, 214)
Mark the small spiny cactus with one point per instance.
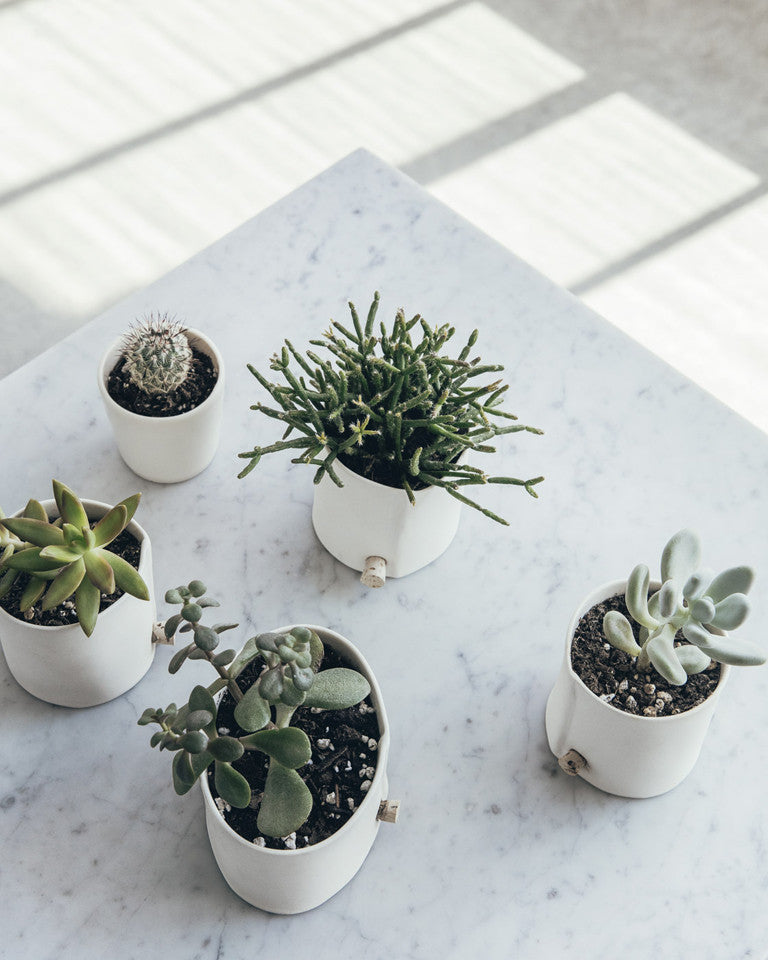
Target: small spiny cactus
point(157, 354)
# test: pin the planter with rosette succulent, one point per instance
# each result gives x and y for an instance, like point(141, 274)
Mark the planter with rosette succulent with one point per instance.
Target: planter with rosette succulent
point(76, 614)
point(290, 744)
point(644, 667)
point(163, 389)
point(388, 420)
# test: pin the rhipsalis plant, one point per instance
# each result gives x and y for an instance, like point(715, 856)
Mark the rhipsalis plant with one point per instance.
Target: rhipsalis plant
point(157, 354)
point(396, 411)
point(67, 556)
point(290, 677)
point(690, 600)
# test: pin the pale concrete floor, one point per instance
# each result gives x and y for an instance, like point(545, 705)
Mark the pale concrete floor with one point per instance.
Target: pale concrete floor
point(619, 146)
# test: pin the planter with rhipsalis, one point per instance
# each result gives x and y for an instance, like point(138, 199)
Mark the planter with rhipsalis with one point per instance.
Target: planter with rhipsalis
point(387, 422)
point(76, 613)
point(643, 672)
point(291, 810)
point(163, 389)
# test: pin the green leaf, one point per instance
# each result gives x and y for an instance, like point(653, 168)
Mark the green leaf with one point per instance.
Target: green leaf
point(317, 650)
point(692, 659)
point(200, 761)
point(156, 737)
point(99, 571)
point(87, 602)
point(252, 712)
point(200, 699)
point(112, 523)
point(72, 510)
point(39, 532)
point(681, 557)
point(271, 684)
point(737, 653)
point(206, 638)
point(637, 596)
point(192, 612)
point(173, 596)
point(64, 585)
point(61, 555)
point(196, 588)
point(249, 652)
point(183, 775)
point(147, 717)
point(30, 561)
point(198, 719)
point(208, 602)
point(126, 576)
point(303, 677)
point(618, 632)
point(231, 785)
point(289, 746)
point(286, 803)
point(34, 510)
point(31, 593)
point(291, 695)
point(178, 659)
point(735, 580)
point(221, 627)
point(195, 741)
point(337, 689)
point(223, 658)
point(225, 748)
point(171, 625)
point(130, 504)
point(6, 581)
point(661, 652)
point(731, 612)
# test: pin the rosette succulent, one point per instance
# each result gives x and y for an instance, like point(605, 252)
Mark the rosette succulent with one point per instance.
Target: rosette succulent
point(691, 601)
point(290, 677)
point(67, 556)
point(157, 354)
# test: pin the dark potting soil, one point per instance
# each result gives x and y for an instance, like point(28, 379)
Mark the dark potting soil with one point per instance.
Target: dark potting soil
point(124, 545)
point(612, 674)
point(197, 387)
point(344, 754)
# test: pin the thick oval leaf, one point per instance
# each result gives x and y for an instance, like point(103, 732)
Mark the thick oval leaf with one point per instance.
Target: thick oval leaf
point(661, 651)
point(725, 649)
point(735, 580)
point(205, 638)
point(191, 612)
point(286, 803)
point(72, 510)
point(618, 632)
point(197, 719)
point(99, 571)
point(731, 612)
point(172, 625)
point(61, 555)
point(196, 588)
point(337, 689)
point(668, 599)
point(681, 557)
point(34, 510)
point(31, 593)
point(223, 658)
point(195, 741)
point(226, 749)
point(130, 504)
point(694, 586)
point(112, 523)
point(231, 785)
point(183, 774)
point(64, 585)
point(692, 659)
point(200, 761)
point(637, 596)
point(303, 677)
point(289, 746)
point(703, 610)
point(39, 532)
point(127, 577)
point(291, 695)
point(252, 712)
point(30, 561)
point(173, 596)
point(200, 699)
point(87, 602)
point(316, 650)
point(271, 684)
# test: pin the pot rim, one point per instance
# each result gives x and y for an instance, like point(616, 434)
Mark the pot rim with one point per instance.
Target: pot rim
point(196, 338)
point(133, 527)
point(379, 775)
point(606, 591)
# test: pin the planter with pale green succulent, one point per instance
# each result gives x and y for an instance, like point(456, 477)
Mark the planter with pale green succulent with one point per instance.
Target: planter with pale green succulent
point(55, 556)
point(159, 358)
point(677, 628)
point(284, 673)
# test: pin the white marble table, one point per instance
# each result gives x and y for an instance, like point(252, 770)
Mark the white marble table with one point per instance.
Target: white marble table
point(497, 853)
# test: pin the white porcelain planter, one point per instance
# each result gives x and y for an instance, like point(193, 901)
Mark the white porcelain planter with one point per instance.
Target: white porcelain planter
point(292, 881)
point(61, 665)
point(167, 449)
point(627, 755)
point(364, 519)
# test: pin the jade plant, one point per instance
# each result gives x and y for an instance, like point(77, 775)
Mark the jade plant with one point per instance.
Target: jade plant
point(67, 556)
point(157, 354)
point(691, 601)
point(289, 677)
point(393, 408)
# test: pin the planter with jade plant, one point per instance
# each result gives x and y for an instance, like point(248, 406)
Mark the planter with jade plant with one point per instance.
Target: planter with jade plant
point(76, 609)
point(163, 390)
point(290, 745)
point(390, 422)
point(645, 665)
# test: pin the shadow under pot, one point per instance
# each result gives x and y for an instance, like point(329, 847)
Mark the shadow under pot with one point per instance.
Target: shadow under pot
point(293, 881)
point(374, 528)
point(63, 666)
point(622, 753)
point(167, 449)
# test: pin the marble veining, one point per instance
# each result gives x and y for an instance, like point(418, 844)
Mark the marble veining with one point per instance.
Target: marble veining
point(497, 854)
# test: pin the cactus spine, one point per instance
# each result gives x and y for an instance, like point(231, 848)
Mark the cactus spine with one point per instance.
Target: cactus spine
point(157, 354)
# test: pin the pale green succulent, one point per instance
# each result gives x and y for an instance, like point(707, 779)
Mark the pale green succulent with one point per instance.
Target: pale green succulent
point(290, 678)
point(157, 355)
point(690, 600)
point(67, 557)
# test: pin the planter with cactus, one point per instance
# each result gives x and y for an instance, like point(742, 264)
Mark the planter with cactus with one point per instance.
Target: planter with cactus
point(280, 845)
point(645, 664)
point(163, 389)
point(389, 421)
point(58, 566)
